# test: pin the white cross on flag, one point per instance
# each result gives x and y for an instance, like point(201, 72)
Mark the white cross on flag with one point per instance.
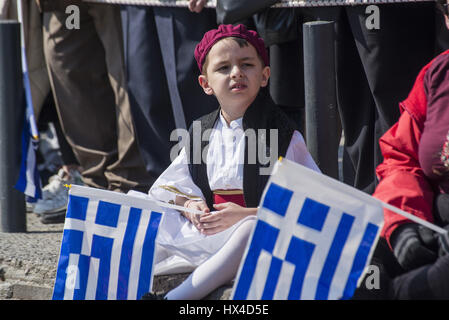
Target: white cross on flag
point(107, 247)
point(313, 238)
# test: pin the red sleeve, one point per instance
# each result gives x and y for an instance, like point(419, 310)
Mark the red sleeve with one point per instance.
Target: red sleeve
point(402, 181)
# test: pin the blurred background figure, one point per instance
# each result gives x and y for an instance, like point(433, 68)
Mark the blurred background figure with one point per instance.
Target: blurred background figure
point(86, 70)
point(162, 75)
point(56, 162)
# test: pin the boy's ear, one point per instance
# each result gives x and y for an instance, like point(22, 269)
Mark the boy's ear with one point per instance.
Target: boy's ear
point(265, 76)
point(202, 79)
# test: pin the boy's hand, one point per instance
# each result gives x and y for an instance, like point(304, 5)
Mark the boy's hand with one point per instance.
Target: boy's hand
point(227, 215)
point(196, 5)
point(196, 205)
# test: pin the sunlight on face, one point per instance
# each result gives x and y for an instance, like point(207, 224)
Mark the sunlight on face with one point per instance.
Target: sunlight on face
point(234, 74)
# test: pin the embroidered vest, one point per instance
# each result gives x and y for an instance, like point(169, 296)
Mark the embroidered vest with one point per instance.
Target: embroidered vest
point(261, 114)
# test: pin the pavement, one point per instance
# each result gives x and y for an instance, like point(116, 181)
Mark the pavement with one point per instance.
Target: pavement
point(28, 262)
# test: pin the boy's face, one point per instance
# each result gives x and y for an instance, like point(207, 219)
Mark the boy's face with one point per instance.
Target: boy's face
point(234, 74)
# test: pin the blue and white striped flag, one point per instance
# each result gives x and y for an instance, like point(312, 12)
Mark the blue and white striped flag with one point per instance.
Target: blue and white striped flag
point(107, 248)
point(313, 239)
point(29, 181)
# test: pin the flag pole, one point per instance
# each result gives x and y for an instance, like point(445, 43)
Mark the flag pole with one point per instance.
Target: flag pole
point(399, 211)
point(176, 207)
point(413, 217)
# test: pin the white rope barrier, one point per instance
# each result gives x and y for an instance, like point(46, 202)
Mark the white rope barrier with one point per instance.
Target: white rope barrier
point(281, 4)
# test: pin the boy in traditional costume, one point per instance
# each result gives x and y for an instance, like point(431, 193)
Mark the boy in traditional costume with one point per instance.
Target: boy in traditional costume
point(224, 168)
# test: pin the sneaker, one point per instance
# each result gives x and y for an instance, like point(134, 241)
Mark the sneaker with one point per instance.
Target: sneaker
point(54, 185)
point(55, 194)
point(55, 204)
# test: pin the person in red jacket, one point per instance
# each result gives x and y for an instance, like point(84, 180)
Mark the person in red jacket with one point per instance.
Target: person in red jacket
point(411, 149)
point(414, 175)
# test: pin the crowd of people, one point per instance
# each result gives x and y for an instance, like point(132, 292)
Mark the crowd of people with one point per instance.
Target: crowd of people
point(117, 88)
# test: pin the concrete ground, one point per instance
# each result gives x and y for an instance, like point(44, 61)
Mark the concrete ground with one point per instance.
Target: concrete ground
point(28, 260)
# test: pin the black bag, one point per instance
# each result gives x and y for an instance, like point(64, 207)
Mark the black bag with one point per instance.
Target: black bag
point(276, 26)
point(232, 11)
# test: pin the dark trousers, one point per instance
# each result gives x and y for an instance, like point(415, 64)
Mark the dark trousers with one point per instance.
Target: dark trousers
point(428, 282)
point(147, 82)
point(49, 114)
point(375, 71)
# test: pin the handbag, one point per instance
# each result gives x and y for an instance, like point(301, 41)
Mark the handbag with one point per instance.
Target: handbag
point(232, 11)
point(277, 26)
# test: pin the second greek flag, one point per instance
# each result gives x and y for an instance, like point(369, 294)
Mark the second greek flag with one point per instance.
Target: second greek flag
point(313, 239)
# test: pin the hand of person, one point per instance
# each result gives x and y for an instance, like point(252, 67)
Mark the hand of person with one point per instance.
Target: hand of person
point(227, 215)
point(195, 205)
point(197, 5)
point(414, 246)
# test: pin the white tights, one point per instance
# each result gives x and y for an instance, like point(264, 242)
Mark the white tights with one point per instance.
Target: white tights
point(216, 271)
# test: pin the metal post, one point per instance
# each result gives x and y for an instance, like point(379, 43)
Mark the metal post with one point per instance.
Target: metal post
point(12, 111)
point(322, 120)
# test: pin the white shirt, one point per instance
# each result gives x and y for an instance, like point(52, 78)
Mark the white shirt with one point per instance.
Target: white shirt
point(226, 155)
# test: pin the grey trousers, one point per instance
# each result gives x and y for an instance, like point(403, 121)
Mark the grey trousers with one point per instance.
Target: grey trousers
point(86, 69)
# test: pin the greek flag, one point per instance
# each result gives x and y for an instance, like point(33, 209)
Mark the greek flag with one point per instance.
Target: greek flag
point(313, 238)
point(107, 247)
point(29, 179)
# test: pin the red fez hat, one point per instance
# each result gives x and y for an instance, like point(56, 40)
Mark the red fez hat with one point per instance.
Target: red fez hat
point(225, 31)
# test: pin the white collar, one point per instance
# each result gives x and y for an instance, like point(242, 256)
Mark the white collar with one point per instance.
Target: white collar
point(237, 123)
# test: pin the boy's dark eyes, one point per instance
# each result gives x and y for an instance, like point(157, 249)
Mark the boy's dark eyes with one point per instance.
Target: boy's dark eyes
point(226, 67)
point(222, 68)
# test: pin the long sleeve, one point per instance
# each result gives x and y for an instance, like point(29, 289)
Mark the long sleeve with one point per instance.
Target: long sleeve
point(402, 181)
point(297, 152)
point(176, 180)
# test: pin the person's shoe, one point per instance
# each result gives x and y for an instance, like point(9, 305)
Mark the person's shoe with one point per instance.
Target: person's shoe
point(55, 194)
point(54, 185)
point(50, 218)
point(54, 204)
point(153, 296)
